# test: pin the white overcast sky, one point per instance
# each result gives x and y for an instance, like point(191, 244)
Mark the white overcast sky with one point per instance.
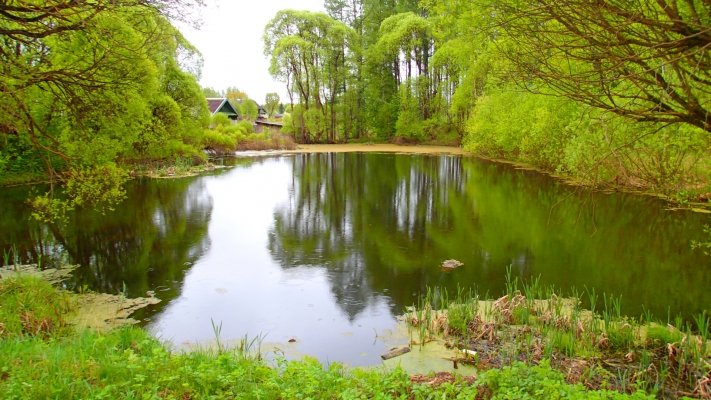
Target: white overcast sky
point(230, 41)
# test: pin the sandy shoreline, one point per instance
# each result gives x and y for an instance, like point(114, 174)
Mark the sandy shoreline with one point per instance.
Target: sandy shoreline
point(371, 148)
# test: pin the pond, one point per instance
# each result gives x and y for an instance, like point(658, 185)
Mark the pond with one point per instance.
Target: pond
point(329, 248)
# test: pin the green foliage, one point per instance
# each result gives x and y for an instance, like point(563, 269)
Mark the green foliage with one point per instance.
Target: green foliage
point(106, 92)
point(271, 103)
point(447, 72)
point(248, 109)
point(313, 53)
point(48, 209)
point(245, 127)
point(211, 93)
point(99, 187)
point(520, 381)
point(32, 308)
point(54, 363)
point(409, 124)
point(521, 126)
point(220, 120)
point(218, 141)
point(559, 135)
point(661, 335)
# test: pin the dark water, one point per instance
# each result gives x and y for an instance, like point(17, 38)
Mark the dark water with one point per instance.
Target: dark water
point(327, 247)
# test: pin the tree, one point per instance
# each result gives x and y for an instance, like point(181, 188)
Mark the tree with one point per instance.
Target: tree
point(92, 84)
point(211, 93)
point(312, 54)
point(234, 95)
point(248, 109)
point(641, 59)
point(271, 103)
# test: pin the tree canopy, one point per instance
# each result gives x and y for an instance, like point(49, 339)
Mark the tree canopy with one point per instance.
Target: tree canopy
point(613, 91)
point(87, 86)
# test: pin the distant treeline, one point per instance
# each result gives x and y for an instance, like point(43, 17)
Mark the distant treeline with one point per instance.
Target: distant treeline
point(608, 92)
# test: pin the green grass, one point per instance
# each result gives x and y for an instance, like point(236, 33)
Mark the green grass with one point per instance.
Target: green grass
point(130, 364)
point(31, 307)
point(603, 349)
point(520, 381)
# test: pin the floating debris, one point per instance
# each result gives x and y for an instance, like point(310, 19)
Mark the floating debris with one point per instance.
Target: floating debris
point(451, 264)
point(468, 352)
point(103, 311)
point(395, 353)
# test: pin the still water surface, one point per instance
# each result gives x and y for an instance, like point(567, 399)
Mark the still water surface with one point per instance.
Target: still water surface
point(327, 248)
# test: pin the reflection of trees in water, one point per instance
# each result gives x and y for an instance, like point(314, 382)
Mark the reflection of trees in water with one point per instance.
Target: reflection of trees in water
point(148, 241)
point(381, 222)
point(366, 217)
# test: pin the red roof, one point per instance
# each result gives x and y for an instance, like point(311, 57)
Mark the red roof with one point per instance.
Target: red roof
point(214, 104)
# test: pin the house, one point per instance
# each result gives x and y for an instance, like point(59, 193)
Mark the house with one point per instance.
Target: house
point(270, 128)
point(263, 115)
point(222, 105)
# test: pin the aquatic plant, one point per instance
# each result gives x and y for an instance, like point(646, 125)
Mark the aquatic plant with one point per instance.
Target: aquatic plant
point(605, 349)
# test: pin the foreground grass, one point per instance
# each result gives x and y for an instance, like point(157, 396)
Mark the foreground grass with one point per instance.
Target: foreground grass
point(40, 357)
point(599, 349)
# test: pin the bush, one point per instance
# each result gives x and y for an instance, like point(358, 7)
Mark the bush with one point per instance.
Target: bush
point(559, 135)
point(521, 126)
point(219, 120)
point(218, 141)
point(246, 127)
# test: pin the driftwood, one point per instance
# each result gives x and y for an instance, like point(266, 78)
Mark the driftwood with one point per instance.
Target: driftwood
point(451, 264)
point(395, 353)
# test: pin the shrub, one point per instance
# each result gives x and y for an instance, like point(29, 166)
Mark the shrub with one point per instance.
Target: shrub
point(220, 119)
point(218, 141)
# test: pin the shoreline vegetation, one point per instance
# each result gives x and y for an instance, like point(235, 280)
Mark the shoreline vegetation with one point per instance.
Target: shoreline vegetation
point(529, 343)
point(601, 110)
point(597, 347)
point(181, 168)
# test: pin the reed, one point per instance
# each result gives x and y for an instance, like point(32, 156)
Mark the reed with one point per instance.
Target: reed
point(531, 322)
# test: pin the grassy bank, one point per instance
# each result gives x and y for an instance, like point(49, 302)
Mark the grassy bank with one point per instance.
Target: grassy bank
point(598, 348)
point(41, 356)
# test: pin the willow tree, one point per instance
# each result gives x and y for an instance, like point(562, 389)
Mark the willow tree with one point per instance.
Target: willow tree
point(645, 60)
point(312, 53)
point(88, 85)
point(404, 50)
point(271, 103)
